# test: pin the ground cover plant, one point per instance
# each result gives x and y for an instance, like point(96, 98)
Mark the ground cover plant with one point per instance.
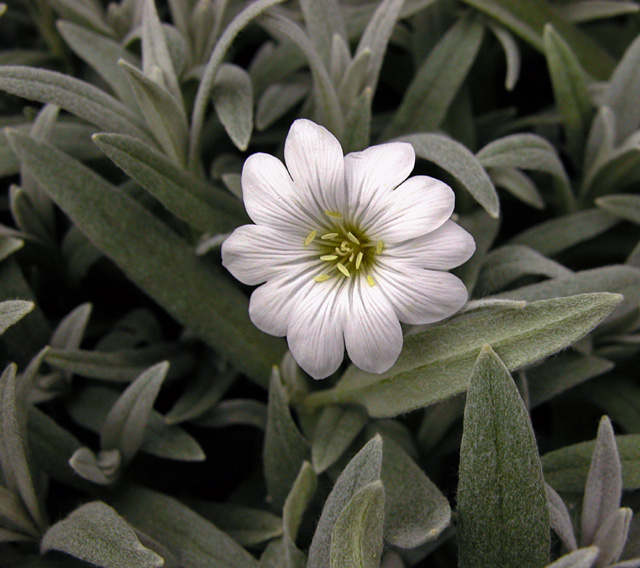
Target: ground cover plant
point(319, 283)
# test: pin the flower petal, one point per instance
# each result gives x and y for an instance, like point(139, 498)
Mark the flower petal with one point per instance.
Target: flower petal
point(269, 195)
point(445, 248)
point(418, 206)
point(254, 253)
point(315, 160)
point(375, 172)
point(372, 332)
point(315, 333)
point(419, 295)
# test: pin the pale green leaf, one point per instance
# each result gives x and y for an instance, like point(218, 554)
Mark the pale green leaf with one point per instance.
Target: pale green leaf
point(559, 519)
point(323, 21)
point(70, 331)
point(294, 507)
point(232, 97)
point(503, 519)
point(520, 335)
point(231, 412)
point(14, 516)
point(616, 172)
point(278, 99)
point(88, 14)
point(12, 311)
point(581, 11)
point(9, 245)
point(102, 468)
point(623, 206)
point(484, 230)
point(582, 558)
point(511, 51)
point(358, 123)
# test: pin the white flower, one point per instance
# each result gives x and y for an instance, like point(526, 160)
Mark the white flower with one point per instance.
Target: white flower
point(346, 248)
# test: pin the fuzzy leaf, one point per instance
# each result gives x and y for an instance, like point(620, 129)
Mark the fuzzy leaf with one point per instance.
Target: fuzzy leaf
point(511, 51)
point(232, 97)
point(582, 558)
point(502, 506)
point(95, 533)
point(12, 311)
point(518, 184)
point(162, 264)
point(277, 100)
point(88, 14)
point(624, 206)
point(520, 335)
point(560, 519)
point(323, 21)
point(294, 507)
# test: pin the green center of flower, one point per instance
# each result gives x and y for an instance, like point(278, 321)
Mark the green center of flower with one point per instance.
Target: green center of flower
point(345, 249)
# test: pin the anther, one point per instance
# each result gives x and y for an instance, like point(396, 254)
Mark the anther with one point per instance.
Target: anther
point(329, 236)
point(312, 235)
point(371, 281)
point(334, 214)
point(379, 247)
point(353, 254)
point(359, 259)
point(328, 257)
point(343, 269)
point(353, 238)
point(321, 278)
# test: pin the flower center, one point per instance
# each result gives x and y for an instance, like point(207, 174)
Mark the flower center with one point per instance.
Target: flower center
point(345, 249)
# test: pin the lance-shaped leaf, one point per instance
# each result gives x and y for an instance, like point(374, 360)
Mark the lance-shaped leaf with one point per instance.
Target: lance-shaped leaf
point(96, 534)
point(149, 253)
point(511, 51)
point(455, 159)
point(518, 184)
point(559, 519)
point(323, 21)
point(86, 13)
point(204, 207)
point(12, 311)
point(356, 541)
point(521, 335)
point(285, 449)
point(364, 468)
point(197, 542)
point(438, 80)
point(125, 425)
point(624, 206)
point(75, 96)
point(582, 558)
point(503, 519)
point(294, 507)
point(614, 172)
point(278, 99)
point(232, 97)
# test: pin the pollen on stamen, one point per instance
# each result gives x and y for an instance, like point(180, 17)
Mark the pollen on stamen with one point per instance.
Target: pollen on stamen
point(321, 277)
point(312, 235)
point(328, 257)
point(334, 214)
point(359, 259)
point(342, 268)
point(329, 236)
point(353, 238)
point(379, 247)
point(371, 281)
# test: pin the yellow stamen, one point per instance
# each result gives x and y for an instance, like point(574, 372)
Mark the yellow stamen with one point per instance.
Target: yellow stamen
point(359, 259)
point(353, 254)
point(334, 214)
point(379, 247)
point(344, 246)
point(343, 269)
point(328, 257)
point(371, 281)
point(353, 238)
point(329, 236)
point(322, 278)
point(341, 252)
point(312, 235)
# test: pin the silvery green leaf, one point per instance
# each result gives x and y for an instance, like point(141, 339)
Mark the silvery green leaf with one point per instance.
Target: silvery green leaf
point(561, 233)
point(151, 255)
point(7, 536)
point(197, 542)
point(77, 97)
point(356, 541)
point(163, 113)
point(88, 14)
point(155, 51)
point(26, 216)
point(581, 11)
point(354, 79)
point(102, 53)
point(520, 335)
point(232, 97)
point(503, 519)
point(415, 510)
point(96, 534)
point(358, 123)
point(484, 230)
point(376, 36)
point(438, 80)
point(604, 483)
point(125, 425)
point(14, 516)
point(16, 463)
point(511, 52)
point(561, 373)
point(559, 519)
point(273, 555)
point(275, 64)
point(624, 206)
point(617, 172)
point(506, 264)
point(364, 468)
point(211, 70)
point(611, 536)
point(337, 427)
point(340, 58)
point(518, 184)
point(395, 431)
point(12, 311)
point(233, 182)
point(102, 468)
point(285, 449)
point(294, 507)
point(569, 89)
point(581, 558)
point(70, 331)
point(600, 142)
point(230, 412)
point(246, 525)
point(622, 92)
point(528, 20)
point(458, 161)
point(323, 22)
point(278, 99)
point(326, 101)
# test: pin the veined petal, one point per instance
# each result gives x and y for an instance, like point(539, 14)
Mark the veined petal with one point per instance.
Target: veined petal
point(269, 195)
point(254, 253)
point(315, 333)
point(372, 332)
point(419, 295)
point(375, 172)
point(418, 206)
point(315, 160)
point(445, 248)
